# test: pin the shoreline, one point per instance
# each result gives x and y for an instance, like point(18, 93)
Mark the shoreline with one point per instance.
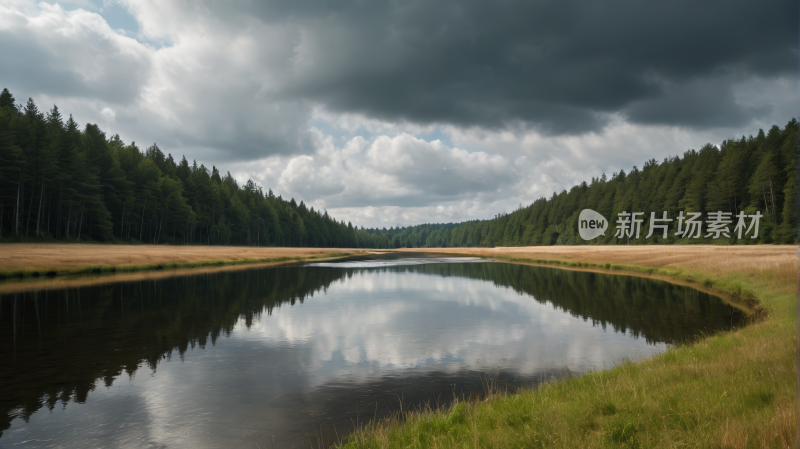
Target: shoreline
point(27, 267)
point(52, 271)
point(642, 402)
point(744, 302)
point(107, 276)
point(731, 291)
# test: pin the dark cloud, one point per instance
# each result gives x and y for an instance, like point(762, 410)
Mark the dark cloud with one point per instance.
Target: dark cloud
point(705, 104)
point(560, 66)
point(557, 67)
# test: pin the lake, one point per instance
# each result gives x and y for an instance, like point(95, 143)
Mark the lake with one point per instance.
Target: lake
point(291, 356)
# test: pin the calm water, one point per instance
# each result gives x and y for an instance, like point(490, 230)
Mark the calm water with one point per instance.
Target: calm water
point(280, 356)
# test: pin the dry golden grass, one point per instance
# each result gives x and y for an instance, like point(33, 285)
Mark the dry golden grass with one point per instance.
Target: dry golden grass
point(85, 280)
point(777, 263)
point(71, 257)
point(137, 262)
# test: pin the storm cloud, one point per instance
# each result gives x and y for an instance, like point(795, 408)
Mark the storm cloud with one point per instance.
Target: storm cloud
point(463, 108)
point(561, 67)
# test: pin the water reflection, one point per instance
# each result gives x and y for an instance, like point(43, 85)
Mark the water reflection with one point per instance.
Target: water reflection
point(257, 356)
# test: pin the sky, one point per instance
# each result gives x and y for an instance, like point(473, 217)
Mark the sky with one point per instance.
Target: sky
point(388, 113)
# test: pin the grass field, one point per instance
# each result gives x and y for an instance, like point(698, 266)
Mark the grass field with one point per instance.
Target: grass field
point(27, 266)
point(732, 390)
point(775, 263)
point(71, 257)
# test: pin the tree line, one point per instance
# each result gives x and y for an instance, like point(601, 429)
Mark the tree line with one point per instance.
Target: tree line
point(748, 175)
point(58, 181)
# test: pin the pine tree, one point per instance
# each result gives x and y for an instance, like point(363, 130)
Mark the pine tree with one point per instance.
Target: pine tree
point(6, 99)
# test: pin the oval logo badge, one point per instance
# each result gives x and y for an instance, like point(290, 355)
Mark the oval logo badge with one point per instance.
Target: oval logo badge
point(591, 224)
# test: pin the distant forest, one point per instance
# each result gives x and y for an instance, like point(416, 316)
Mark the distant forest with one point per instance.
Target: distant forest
point(741, 175)
point(58, 181)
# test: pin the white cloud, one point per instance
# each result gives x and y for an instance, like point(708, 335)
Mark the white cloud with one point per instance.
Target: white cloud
point(203, 95)
point(367, 181)
point(405, 180)
point(108, 114)
point(71, 54)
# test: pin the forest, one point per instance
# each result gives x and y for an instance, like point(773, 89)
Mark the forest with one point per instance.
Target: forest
point(59, 181)
point(745, 175)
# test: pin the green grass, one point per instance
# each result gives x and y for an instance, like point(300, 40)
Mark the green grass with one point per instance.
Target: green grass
point(729, 390)
point(110, 269)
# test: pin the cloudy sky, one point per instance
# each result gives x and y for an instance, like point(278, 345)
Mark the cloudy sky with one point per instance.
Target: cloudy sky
point(388, 113)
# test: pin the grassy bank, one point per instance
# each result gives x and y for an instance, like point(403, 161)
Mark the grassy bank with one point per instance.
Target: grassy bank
point(108, 269)
point(32, 260)
point(731, 390)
